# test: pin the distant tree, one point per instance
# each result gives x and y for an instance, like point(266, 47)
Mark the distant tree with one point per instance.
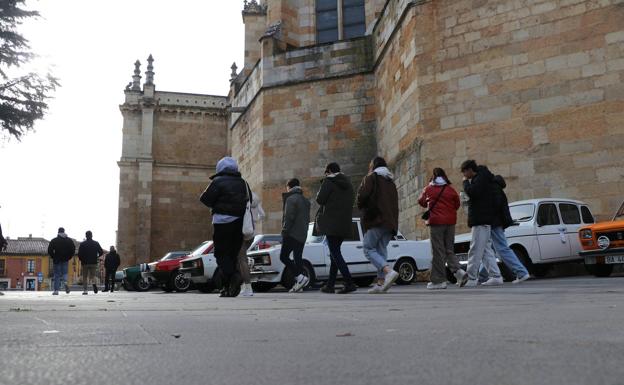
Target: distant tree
point(23, 97)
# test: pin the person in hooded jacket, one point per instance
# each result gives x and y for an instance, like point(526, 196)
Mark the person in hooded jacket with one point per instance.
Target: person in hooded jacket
point(111, 263)
point(61, 249)
point(227, 197)
point(89, 253)
point(336, 198)
point(442, 201)
point(481, 216)
point(378, 199)
point(295, 220)
point(502, 220)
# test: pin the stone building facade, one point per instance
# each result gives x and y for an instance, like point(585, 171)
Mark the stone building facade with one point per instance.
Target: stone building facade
point(532, 88)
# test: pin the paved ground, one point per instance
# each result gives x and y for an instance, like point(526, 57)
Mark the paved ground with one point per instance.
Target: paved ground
point(554, 331)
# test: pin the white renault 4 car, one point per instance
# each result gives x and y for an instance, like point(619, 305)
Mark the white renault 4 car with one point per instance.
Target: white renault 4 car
point(406, 257)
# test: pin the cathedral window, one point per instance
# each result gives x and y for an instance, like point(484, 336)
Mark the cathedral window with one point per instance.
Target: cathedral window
point(339, 19)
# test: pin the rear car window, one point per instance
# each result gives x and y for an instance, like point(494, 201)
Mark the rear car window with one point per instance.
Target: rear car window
point(570, 214)
point(587, 215)
point(522, 213)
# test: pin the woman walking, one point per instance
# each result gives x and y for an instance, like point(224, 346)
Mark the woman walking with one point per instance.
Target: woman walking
point(336, 198)
point(442, 203)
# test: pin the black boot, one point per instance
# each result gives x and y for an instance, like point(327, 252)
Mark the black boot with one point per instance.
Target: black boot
point(349, 287)
point(95, 289)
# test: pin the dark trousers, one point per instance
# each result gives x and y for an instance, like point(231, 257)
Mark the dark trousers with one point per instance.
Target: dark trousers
point(291, 245)
point(228, 239)
point(109, 277)
point(337, 262)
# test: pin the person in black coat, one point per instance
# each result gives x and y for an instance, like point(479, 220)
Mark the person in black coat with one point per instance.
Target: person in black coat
point(336, 198)
point(61, 249)
point(227, 197)
point(89, 253)
point(111, 263)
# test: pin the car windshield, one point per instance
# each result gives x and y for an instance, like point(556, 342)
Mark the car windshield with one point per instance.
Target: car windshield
point(313, 238)
point(620, 213)
point(174, 255)
point(199, 250)
point(522, 213)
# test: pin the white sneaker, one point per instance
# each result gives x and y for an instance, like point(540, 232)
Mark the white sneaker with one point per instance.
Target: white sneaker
point(300, 283)
point(389, 280)
point(376, 289)
point(462, 277)
point(521, 279)
point(246, 290)
point(471, 283)
point(436, 286)
point(493, 282)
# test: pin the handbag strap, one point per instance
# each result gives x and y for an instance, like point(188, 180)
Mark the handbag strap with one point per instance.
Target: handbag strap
point(437, 199)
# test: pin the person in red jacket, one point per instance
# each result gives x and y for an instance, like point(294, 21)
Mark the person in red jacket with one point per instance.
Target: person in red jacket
point(442, 202)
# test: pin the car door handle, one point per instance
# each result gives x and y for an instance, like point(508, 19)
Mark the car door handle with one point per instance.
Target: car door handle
point(395, 245)
point(359, 247)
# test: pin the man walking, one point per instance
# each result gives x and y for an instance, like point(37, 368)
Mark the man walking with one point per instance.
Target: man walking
point(378, 199)
point(335, 220)
point(502, 220)
point(227, 197)
point(89, 252)
point(111, 263)
point(481, 215)
point(61, 249)
point(295, 220)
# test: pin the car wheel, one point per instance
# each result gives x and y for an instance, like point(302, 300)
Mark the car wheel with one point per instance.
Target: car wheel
point(288, 277)
point(263, 287)
point(141, 285)
point(207, 287)
point(601, 271)
point(179, 282)
point(364, 281)
point(539, 270)
point(506, 273)
point(125, 285)
point(406, 267)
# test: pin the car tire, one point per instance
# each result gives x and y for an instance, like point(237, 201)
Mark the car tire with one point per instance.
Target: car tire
point(364, 281)
point(179, 283)
point(140, 284)
point(406, 267)
point(125, 285)
point(506, 272)
point(600, 271)
point(539, 270)
point(288, 277)
point(263, 287)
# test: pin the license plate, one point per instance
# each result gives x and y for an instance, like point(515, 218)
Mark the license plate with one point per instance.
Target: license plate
point(614, 259)
point(187, 275)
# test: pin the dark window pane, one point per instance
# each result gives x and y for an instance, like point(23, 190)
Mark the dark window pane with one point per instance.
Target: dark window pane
point(354, 31)
point(323, 5)
point(327, 20)
point(353, 16)
point(587, 215)
point(328, 35)
point(547, 215)
point(355, 233)
point(570, 214)
point(353, 3)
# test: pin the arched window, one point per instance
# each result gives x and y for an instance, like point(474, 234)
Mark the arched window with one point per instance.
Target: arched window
point(339, 19)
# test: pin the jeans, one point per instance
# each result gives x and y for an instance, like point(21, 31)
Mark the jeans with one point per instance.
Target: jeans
point(443, 252)
point(291, 245)
point(375, 245)
point(109, 280)
point(507, 255)
point(337, 262)
point(481, 236)
point(228, 239)
point(60, 274)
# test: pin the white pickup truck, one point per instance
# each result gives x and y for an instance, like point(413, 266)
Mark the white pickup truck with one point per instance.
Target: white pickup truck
point(406, 257)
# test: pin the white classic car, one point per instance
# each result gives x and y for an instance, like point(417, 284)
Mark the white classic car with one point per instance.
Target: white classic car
point(406, 257)
point(545, 233)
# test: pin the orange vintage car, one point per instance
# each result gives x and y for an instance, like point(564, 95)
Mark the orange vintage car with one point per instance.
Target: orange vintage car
point(603, 245)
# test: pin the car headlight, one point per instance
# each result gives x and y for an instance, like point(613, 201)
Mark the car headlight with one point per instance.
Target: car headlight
point(586, 234)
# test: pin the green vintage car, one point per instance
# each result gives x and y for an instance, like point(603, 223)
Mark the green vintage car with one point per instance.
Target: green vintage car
point(132, 279)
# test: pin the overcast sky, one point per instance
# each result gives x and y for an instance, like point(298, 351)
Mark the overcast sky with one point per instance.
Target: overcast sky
point(65, 173)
